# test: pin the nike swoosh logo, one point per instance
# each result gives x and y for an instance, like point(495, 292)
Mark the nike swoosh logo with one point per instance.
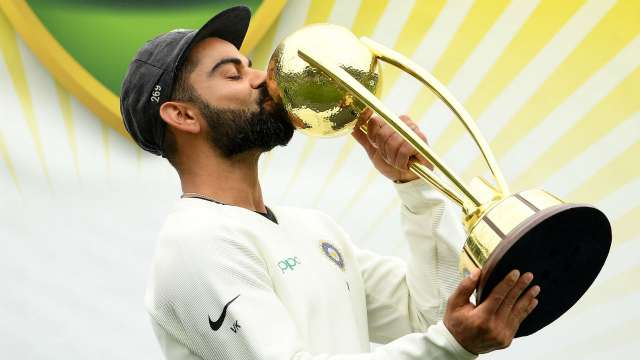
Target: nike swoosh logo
point(216, 325)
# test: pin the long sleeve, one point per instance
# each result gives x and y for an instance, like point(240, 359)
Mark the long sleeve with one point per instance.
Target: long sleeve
point(404, 297)
point(193, 284)
point(432, 225)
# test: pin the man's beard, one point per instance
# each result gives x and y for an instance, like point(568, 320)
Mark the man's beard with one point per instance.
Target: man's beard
point(236, 131)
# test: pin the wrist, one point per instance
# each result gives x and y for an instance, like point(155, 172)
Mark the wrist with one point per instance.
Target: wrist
point(456, 337)
point(456, 347)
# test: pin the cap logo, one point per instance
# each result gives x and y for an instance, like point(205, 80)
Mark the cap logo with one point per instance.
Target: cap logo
point(155, 95)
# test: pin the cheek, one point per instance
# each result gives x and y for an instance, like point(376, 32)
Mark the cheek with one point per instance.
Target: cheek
point(233, 95)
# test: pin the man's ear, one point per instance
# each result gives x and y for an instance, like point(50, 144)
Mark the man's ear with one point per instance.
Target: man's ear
point(181, 116)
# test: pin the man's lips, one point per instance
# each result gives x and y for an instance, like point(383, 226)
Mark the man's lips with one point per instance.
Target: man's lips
point(268, 101)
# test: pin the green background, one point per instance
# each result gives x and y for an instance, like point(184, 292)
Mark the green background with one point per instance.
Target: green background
point(104, 35)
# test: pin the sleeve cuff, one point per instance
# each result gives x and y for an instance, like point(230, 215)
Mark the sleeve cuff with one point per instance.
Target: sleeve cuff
point(417, 195)
point(458, 350)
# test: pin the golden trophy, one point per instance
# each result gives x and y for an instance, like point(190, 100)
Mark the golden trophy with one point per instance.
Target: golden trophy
point(325, 78)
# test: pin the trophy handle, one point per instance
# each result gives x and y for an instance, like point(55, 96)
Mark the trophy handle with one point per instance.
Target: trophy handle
point(407, 65)
point(365, 96)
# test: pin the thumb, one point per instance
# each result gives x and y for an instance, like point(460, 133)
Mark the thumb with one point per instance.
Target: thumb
point(362, 138)
point(461, 295)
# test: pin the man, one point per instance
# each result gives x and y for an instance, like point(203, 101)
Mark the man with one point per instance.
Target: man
point(235, 279)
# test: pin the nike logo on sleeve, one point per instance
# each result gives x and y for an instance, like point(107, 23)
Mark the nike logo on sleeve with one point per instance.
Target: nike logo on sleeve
point(216, 325)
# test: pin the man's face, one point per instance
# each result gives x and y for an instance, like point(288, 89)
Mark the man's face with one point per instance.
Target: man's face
point(223, 77)
point(232, 99)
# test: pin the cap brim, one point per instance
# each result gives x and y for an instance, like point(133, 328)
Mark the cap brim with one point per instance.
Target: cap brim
point(230, 25)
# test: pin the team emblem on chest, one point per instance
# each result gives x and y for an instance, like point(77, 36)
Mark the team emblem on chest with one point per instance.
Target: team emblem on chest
point(332, 253)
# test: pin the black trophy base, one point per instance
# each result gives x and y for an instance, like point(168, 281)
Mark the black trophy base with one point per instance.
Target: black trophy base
point(564, 246)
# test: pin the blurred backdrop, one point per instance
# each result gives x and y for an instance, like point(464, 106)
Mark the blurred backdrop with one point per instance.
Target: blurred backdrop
point(553, 86)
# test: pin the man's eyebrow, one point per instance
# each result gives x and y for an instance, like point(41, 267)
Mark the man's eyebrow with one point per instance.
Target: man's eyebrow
point(228, 60)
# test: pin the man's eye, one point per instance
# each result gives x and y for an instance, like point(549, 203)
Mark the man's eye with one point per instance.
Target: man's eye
point(234, 77)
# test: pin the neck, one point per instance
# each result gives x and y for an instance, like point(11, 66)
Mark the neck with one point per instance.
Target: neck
point(230, 181)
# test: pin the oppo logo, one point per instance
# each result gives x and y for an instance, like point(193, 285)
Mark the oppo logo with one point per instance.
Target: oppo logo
point(288, 264)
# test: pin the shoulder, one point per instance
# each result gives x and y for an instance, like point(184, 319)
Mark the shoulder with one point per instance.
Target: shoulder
point(197, 243)
point(197, 234)
point(305, 216)
point(196, 225)
point(316, 224)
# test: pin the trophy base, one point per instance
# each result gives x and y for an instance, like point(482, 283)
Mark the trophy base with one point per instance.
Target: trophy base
point(564, 246)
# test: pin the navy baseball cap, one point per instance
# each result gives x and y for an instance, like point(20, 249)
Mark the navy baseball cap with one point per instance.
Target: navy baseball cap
point(151, 75)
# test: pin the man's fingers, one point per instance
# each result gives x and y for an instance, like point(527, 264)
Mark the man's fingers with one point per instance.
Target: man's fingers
point(381, 140)
point(392, 147)
point(492, 303)
point(416, 129)
point(377, 130)
point(373, 126)
point(514, 294)
point(398, 149)
point(405, 153)
point(414, 152)
point(525, 305)
point(362, 138)
point(392, 150)
point(364, 117)
point(461, 295)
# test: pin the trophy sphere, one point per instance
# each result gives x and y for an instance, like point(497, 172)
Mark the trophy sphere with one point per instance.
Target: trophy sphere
point(316, 105)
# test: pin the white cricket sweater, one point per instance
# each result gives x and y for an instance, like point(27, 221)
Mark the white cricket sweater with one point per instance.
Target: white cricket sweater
point(227, 283)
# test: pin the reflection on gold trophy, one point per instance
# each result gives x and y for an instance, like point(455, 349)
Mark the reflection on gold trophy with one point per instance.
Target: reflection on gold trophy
point(326, 77)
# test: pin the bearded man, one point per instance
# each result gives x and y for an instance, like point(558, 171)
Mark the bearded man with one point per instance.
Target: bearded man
point(233, 278)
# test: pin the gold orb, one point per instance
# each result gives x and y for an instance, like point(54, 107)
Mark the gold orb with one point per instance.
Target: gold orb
point(316, 105)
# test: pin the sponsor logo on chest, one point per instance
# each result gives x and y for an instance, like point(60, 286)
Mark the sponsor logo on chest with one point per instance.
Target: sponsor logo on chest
point(288, 264)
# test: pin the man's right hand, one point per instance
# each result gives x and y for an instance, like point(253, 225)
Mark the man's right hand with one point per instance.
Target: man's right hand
point(492, 324)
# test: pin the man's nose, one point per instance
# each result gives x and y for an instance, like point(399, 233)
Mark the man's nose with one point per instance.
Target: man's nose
point(258, 78)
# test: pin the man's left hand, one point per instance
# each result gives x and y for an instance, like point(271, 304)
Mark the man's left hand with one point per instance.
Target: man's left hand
point(388, 151)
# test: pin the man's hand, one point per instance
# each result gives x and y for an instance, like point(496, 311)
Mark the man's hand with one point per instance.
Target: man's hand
point(388, 151)
point(492, 324)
